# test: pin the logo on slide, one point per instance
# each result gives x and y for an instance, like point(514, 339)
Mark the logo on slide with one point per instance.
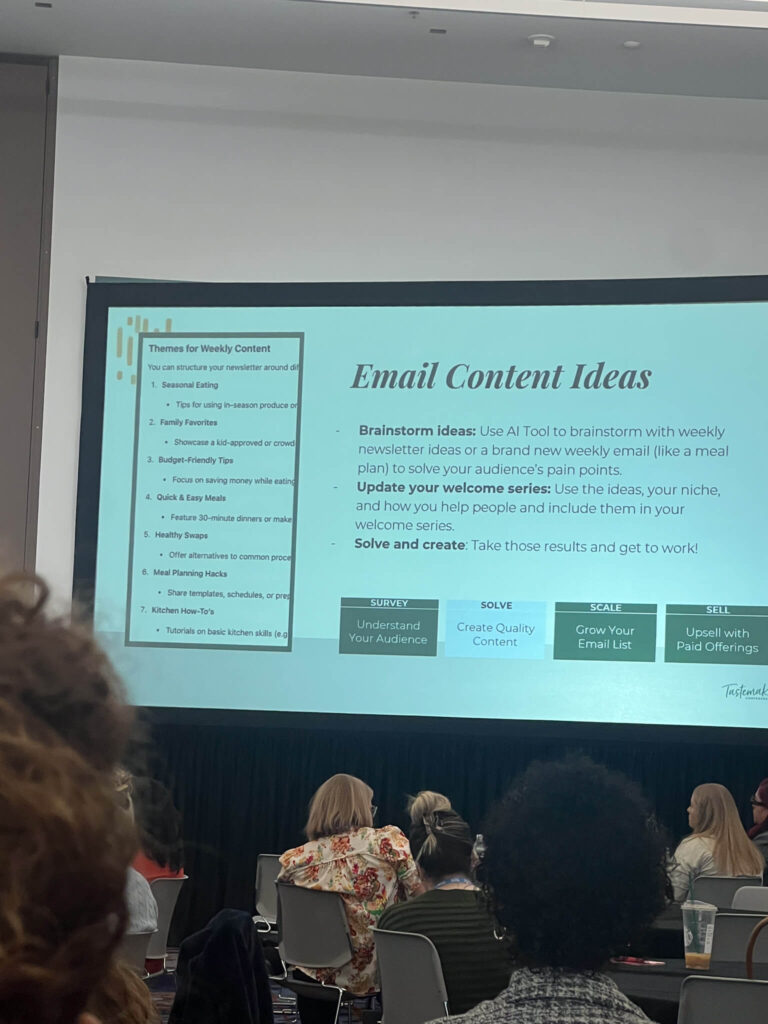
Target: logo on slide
point(741, 692)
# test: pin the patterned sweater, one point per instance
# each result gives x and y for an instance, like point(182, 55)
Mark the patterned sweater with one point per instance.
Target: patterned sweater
point(546, 996)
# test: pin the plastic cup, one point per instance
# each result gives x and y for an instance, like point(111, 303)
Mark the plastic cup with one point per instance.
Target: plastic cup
point(698, 932)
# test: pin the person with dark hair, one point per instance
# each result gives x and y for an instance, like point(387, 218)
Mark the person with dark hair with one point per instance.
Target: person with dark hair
point(64, 724)
point(758, 833)
point(57, 672)
point(452, 912)
point(161, 853)
point(64, 847)
point(573, 898)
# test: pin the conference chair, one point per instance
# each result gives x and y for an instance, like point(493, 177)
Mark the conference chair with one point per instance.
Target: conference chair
point(714, 1000)
point(720, 889)
point(751, 897)
point(132, 950)
point(732, 932)
point(412, 984)
point(314, 932)
point(166, 892)
point(267, 870)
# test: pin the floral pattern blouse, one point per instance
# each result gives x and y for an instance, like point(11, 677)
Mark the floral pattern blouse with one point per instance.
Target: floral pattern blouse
point(371, 868)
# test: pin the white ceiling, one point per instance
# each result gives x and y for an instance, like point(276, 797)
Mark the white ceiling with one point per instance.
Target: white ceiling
point(395, 42)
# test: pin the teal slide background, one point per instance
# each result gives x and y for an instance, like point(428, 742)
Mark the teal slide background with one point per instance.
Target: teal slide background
point(708, 364)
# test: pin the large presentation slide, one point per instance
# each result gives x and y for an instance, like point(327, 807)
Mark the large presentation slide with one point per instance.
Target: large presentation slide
point(498, 511)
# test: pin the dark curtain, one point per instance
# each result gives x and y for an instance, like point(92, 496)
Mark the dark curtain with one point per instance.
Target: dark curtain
point(244, 791)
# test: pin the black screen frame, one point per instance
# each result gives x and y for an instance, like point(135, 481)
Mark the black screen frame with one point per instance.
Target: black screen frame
point(643, 291)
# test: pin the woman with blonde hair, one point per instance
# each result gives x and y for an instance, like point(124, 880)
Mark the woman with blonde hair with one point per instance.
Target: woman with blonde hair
point(426, 802)
point(370, 868)
point(717, 844)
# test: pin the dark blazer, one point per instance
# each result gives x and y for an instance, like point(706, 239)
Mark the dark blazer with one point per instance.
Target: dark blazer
point(221, 977)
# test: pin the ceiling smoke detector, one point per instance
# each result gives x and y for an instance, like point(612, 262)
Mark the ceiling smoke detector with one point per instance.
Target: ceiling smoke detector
point(541, 39)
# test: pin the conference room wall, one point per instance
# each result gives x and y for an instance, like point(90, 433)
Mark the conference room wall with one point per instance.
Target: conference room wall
point(207, 173)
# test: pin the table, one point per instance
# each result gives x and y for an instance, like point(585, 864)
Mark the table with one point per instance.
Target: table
point(656, 990)
point(664, 939)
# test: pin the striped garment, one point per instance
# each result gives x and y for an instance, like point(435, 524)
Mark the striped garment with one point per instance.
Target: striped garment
point(476, 965)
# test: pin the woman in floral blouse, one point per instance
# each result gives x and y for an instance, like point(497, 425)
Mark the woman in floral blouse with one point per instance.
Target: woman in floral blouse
point(370, 868)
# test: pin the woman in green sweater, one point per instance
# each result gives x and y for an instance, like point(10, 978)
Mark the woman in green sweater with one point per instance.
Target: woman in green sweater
point(452, 912)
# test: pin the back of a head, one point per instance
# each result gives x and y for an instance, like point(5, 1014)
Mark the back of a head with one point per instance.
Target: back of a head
point(65, 847)
point(57, 672)
point(122, 998)
point(575, 863)
point(441, 844)
point(425, 802)
point(341, 804)
point(158, 823)
point(716, 815)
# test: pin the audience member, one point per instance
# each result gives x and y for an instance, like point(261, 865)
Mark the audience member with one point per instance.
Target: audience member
point(452, 912)
point(139, 901)
point(65, 848)
point(370, 867)
point(161, 850)
point(572, 897)
point(759, 831)
point(717, 844)
point(55, 678)
point(122, 998)
point(57, 672)
point(425, 802)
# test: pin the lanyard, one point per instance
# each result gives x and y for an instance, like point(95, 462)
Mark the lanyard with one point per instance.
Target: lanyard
point(455, 880)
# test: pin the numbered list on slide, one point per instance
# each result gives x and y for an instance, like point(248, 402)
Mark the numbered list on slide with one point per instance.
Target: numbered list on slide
point(214, 485)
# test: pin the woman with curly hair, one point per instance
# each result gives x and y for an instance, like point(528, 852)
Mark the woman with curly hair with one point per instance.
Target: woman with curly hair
point(65, 847)
point(56, 671)
point(573, 898)
point(370, 868)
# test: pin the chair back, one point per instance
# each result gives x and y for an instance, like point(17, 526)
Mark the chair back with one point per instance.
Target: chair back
point(267, 870)
point(720, 889)
point(166, 892)
point(714, 1000)
point(313, 927)
point(751, 897)
point(732, 932)
point(132, 950)
point(412, 984)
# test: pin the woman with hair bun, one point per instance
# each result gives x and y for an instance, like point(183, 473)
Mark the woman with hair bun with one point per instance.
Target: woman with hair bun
point(452, 912)
point(425, 802)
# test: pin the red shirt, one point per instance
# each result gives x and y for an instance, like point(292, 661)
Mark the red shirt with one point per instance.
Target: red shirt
point(152, 870)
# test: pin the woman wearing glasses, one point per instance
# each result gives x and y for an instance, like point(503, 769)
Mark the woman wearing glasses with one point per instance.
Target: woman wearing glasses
point(370, 868)
point(759, 831)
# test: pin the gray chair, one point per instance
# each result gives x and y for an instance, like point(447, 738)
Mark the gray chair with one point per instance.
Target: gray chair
point(732, 932)
point(720, 889)
point(714, 1000)
point(132, 950)
point(314, 933)
point(751, 897)
point(166, 892)
point(412, 984)
point(267, 870)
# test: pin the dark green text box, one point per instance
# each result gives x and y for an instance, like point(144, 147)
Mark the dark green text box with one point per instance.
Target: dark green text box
point(582, 634)
point(716, 634)
point(395, 626)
